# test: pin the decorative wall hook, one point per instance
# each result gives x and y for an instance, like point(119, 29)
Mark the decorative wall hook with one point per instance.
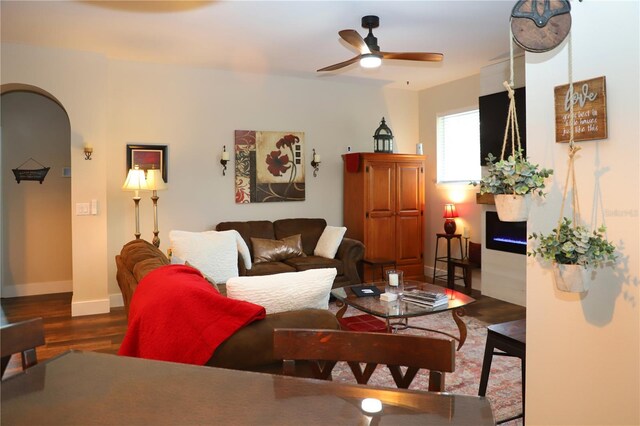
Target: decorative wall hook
point(88, 150)
point(224, 160)
point(315, 163)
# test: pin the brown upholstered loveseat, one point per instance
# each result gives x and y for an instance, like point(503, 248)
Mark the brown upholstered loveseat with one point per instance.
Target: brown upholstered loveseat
point(349, 254)
point(251, 347)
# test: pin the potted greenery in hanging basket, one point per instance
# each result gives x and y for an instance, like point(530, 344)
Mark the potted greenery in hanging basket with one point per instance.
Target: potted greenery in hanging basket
point(574, 252)
point(512, 181)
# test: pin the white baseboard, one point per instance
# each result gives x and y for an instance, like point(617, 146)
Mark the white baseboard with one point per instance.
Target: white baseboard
point(115, 300)
point(89, 307)
point(35, 289)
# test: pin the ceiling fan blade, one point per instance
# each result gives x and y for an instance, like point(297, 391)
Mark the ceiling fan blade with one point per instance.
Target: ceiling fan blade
point(340, 65)
point(413, 56)
point(353, 38)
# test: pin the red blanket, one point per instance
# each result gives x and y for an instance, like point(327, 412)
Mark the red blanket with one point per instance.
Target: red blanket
point(176, 315)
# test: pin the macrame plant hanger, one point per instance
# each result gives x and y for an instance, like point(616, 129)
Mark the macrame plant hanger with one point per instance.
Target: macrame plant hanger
point(573, 149)
point(512, 116)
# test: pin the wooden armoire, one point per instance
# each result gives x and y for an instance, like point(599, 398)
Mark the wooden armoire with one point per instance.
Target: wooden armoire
point(384, 208)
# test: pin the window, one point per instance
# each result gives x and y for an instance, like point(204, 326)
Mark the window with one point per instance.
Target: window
point(459, 147)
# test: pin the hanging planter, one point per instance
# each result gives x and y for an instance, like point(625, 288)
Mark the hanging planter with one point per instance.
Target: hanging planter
point(512, 207)
point(513, 181)
point(513, 177)
point(575, 252)
point(571, 278)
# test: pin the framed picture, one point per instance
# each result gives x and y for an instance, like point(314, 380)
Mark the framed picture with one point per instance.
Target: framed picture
point(269, 166)
point(148, 157)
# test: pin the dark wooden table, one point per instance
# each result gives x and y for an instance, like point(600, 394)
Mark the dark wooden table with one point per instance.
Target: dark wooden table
point(397, 313)
point(377, 262)
point(90, 388)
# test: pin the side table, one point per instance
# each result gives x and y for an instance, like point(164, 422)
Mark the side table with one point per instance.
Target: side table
point(446, 259)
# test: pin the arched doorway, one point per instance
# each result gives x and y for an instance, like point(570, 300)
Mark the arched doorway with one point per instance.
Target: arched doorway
point(35, 217)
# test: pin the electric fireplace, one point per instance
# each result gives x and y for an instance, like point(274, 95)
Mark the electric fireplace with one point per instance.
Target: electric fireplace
point(505, 236)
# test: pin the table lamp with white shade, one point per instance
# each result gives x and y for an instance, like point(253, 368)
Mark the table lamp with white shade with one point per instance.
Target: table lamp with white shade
point(155, 183)
point(136, 182)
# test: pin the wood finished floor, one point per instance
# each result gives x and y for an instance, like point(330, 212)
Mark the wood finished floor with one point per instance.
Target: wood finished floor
point(104, 332)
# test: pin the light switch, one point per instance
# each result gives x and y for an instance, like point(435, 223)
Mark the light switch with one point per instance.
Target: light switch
point(94, 207)
point(82, 209)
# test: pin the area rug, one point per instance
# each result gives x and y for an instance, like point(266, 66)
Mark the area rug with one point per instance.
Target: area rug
point(504, 390)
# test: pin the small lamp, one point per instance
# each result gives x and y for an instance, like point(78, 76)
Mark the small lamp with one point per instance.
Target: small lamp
point(383, 138)
point(315, 163)
point(224, 159)
point(450, 214)
point(155, 183)
point(136, 182)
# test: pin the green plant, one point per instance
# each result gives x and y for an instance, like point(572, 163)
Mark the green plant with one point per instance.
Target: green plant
point(574, 246)
point(515, 175)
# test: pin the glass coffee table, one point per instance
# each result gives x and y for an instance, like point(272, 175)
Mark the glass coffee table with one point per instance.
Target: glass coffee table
point(396, 314)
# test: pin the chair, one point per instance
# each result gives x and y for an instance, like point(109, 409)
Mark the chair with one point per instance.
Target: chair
point(505, 339)
point(471, 261)
point(21, 337)
point(324, 348)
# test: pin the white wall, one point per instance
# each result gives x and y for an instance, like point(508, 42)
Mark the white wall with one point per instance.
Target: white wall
point(583, 351)
point(194, 112)
point(79, 81)
point(461, 95)
point(503, 274)
point(37, 216)
point(452, 97)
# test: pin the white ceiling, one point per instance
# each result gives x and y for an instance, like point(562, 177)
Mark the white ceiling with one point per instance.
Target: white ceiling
point(279, 37)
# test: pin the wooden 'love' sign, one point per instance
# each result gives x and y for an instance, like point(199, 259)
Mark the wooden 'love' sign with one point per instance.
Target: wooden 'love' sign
point(589, 99)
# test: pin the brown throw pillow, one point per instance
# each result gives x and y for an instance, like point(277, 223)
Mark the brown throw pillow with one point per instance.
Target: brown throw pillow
point(265, 250)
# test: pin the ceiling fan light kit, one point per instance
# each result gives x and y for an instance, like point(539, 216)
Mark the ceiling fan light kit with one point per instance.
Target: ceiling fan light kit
point(370, 55)
point(370, 60)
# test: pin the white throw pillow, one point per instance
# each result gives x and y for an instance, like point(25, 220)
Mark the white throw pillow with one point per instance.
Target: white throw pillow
point(212, 252)
point(285, 292)
point(329, 241)
point(243, 249)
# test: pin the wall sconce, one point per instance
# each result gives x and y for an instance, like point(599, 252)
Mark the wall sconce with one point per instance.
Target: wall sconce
point(136, 182)
point(88, 150)
point(450, 213)
point(155, 183)
point(315, 163)
point(224, 159)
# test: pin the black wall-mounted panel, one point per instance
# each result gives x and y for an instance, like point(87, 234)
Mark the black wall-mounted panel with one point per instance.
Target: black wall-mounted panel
point(493, 120)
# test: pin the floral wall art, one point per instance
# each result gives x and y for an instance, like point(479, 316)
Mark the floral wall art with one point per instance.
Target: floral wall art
point(269, 166)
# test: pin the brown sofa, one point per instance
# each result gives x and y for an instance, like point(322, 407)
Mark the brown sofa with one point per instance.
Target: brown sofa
point(251, 347)
point(349, 254)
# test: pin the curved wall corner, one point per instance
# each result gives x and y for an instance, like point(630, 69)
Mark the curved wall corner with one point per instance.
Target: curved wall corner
point(35, 217)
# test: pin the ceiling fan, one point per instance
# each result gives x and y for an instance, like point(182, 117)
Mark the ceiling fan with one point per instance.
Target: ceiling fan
point(370, 55)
